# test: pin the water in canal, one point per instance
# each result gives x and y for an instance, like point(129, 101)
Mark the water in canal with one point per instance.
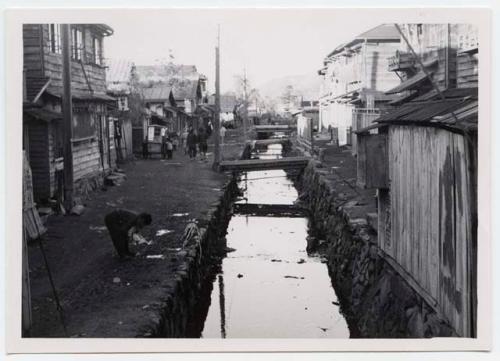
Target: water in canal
point(269, 287)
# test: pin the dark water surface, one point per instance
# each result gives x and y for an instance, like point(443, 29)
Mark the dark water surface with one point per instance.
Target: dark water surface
point(269, 287)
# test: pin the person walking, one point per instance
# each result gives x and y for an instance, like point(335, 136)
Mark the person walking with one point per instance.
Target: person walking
point(184, 136)
point(222, 133)
point(202, 143)
point(169, 147)
point(191, 141)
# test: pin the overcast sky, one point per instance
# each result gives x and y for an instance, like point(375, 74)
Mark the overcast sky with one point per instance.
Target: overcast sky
point(269, 43)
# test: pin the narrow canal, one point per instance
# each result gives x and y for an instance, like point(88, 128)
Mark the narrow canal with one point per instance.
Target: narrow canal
point(268, 286)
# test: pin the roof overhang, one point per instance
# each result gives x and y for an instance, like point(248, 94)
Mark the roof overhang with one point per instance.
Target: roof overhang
point(42, 114)
point(410, 83)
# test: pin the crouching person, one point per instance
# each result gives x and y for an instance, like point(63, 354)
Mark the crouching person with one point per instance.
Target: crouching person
point(122, 224)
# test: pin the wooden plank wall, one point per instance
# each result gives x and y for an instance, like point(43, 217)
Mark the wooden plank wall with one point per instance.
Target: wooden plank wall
point(432, 41)
point(431, 225)
point(372, 161)
point(361, 118)
point(53, 66)
point(32, 54)
point(467, 70)
point(39, 158)
point(86, 158)
point(127, 138)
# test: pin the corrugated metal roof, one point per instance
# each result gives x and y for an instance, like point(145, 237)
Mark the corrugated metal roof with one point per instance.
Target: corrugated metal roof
point(157, 93)
point(449, 94)
point(460, 114)
point(118, 70)
point(410, 83)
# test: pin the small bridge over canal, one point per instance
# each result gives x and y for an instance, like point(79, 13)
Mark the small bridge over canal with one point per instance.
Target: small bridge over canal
point(274, 128)
point(263, 164)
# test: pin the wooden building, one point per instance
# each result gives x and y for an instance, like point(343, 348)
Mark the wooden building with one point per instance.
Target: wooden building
point(188, 97)
point(447, 52)
point(424, 164)
point(160, 103)
point(355, 77)
point(93, 148)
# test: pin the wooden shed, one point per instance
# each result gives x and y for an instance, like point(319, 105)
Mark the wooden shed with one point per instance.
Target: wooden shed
point(424, 165)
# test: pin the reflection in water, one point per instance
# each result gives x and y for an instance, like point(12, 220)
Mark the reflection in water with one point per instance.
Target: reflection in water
point(222, 306)
point(272, 288)
point(269, 287)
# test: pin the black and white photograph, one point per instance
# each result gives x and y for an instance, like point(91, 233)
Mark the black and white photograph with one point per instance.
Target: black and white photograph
point(244, 174)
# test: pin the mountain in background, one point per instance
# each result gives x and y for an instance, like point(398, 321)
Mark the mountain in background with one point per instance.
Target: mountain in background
point(306, 85)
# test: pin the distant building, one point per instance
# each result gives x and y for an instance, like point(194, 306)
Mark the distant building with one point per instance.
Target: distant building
point(160, 104)
point(355, 77)
point(93, 132)
point(189, 89)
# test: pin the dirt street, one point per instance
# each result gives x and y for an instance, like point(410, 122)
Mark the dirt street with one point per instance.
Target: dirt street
point(103, 296)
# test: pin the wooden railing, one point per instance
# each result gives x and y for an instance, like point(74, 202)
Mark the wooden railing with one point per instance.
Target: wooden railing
point(400, 61)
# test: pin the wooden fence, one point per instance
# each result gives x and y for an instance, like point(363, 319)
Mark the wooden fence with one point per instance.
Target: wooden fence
point(426, 219)
point(361, 118)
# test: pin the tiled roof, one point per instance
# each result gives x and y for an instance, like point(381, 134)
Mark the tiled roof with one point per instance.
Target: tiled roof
point(185, 90)
point(384, 31)
point(381, 32)
point(165, 73)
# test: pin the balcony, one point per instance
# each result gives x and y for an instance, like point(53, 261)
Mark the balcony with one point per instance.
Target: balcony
point(401, 61)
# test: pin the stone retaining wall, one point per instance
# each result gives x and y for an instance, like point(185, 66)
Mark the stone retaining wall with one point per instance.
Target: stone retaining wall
point(375, 300)
point(204, 241)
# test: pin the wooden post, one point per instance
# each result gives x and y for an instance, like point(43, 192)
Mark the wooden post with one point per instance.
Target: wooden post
point(67, 110)
point(26, 294)
point(312, 136)
point(245, 109)
point(217, 152)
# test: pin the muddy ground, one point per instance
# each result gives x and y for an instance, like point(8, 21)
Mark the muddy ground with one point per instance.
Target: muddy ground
point(103, 296)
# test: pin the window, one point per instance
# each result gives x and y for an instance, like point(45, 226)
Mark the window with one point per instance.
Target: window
point(97, 51)
point(76, 43)
point(55, 38)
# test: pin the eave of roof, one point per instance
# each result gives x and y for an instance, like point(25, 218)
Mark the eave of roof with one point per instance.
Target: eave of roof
point(410, 83)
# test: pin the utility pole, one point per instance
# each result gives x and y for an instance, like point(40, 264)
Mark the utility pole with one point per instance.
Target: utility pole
point(245, 104)
point(67, 111)
point(217, 153)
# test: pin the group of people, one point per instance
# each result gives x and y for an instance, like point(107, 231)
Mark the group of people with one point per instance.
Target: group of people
point(193, 141)
point(196, 141)
point(169, 143)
